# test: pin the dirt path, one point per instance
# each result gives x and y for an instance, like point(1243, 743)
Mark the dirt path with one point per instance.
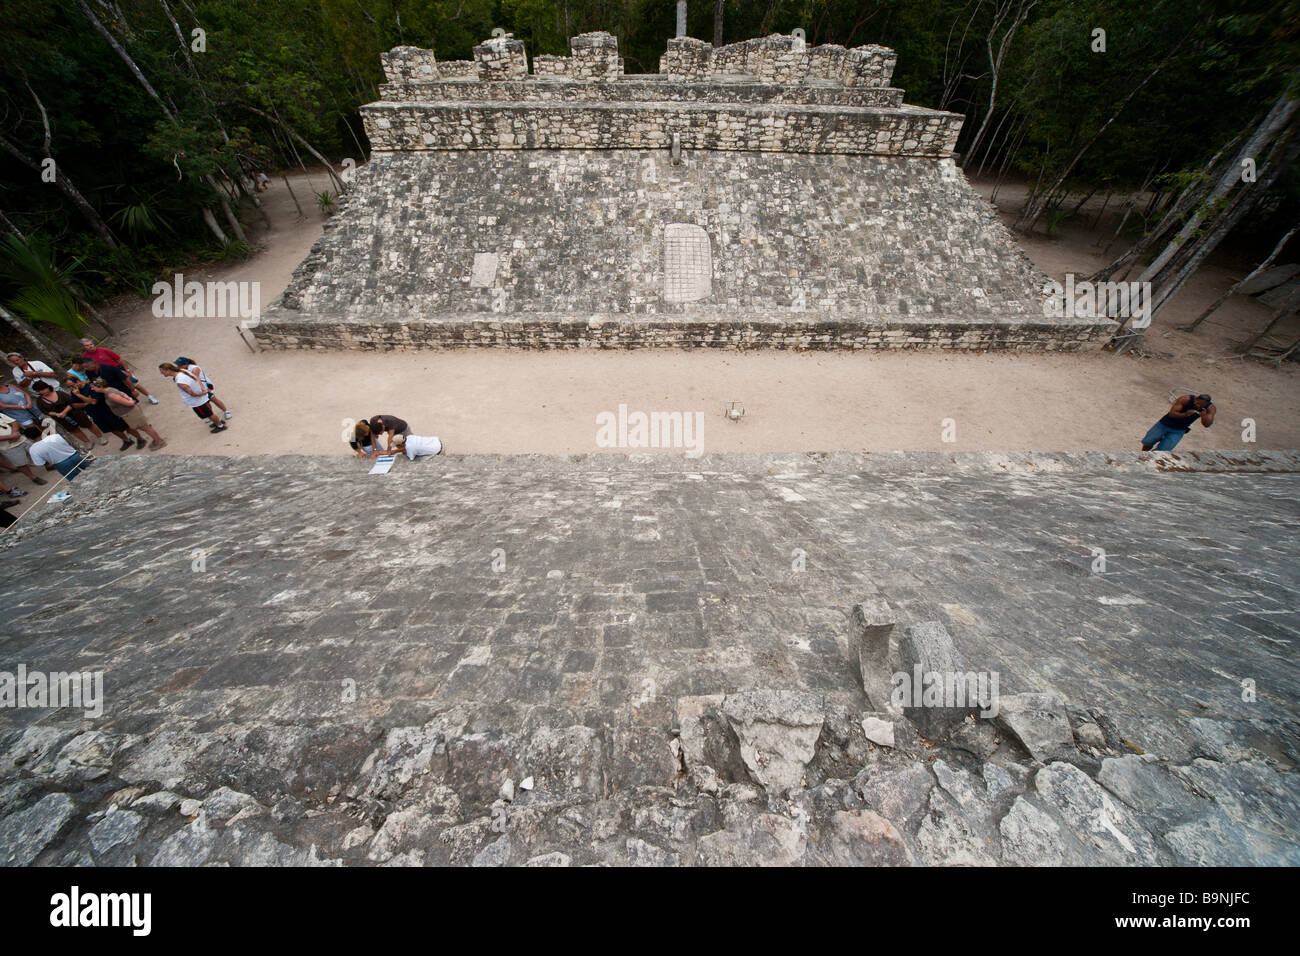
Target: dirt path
point(516, 401)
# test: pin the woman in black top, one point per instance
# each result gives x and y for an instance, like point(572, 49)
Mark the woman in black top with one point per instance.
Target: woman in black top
point(96, 405)
point(60, 407)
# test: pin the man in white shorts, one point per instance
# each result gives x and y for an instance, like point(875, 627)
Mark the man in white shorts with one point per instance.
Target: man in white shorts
point(415, 446)
point(13, 449)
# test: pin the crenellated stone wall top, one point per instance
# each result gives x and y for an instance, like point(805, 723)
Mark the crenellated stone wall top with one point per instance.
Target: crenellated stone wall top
point(594, 57)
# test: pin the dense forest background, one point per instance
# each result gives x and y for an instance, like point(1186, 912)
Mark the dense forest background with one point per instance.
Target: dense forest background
point(152, 128)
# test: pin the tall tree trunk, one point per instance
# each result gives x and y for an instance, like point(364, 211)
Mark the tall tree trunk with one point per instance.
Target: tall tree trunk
point(69, 189)
point(1034, 210)
point(1277, 119)
point(1185, 261)
point(334, 176)
point(194, 70)
point(1218, 303)
point(95, 315)
point(1129, 205)
point(991, 150)
point(1287, 308)
point(717, 23)
point(229, 213)
point(211, 221)
point(1287, 354)
point(292, 196)
point(1022, 10)
point(126, 58)
point(1007, 156)
point(40, 344)
point(1101, 212)
point(958, 73)
point(18, 234)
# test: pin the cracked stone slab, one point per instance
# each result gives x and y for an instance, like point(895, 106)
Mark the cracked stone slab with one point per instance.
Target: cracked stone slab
point(862, 838)
point(928, 649)
point(119, 827)
point(875, 622)
point(1109, 829)
point(896, 790)
point(1033, 837)
point(778, 733)
point(1039, 722)
point(23, 835)
point(765, 839)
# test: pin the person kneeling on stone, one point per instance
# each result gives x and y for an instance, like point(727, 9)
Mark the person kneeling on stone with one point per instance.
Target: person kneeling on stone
point(367, 434)
point(416, 446)
point(54, 451)
point(1178, 421)
point(362, 442)
point(385, 428)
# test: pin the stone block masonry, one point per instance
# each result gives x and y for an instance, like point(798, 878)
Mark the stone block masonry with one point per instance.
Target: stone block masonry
point(758, 195)
point(647, 622)
point(560, 88)
point(824, 100)
point(765, 127)
point(803, 252)
point(501, 58)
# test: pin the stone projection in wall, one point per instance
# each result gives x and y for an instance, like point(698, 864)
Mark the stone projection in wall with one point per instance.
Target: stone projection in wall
point(760, 194)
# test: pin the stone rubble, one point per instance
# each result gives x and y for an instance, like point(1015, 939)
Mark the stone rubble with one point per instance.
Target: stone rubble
point(425, 795)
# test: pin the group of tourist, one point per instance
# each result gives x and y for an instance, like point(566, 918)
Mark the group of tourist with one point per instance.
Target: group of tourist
point(101, 395)
point(45, 422)
point(388, 435)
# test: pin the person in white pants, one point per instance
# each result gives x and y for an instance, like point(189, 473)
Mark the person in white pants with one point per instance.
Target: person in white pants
point(416, 446)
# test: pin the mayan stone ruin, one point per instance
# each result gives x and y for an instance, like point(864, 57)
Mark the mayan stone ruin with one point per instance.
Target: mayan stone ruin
point(657, 654)
point(646, 681)
point(759, 195)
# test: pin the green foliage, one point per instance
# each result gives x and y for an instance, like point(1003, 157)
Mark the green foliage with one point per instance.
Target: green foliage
point(311, 63)
point(1057, 218)
point(234, 250)
point(141, 221)
point(40, 286)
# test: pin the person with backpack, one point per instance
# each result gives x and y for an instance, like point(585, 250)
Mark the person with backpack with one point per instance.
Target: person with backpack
point(194, 394)
point(192, 367)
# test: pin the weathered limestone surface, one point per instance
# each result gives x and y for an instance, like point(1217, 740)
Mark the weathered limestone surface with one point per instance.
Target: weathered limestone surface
point(790, 190)
point(645, 681)
point(806, 252)
point(644, 88)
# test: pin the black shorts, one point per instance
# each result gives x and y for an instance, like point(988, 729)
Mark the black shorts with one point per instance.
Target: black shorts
point(204, 410)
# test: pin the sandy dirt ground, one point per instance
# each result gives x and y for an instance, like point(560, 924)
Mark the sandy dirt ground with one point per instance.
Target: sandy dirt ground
point(510, 401)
